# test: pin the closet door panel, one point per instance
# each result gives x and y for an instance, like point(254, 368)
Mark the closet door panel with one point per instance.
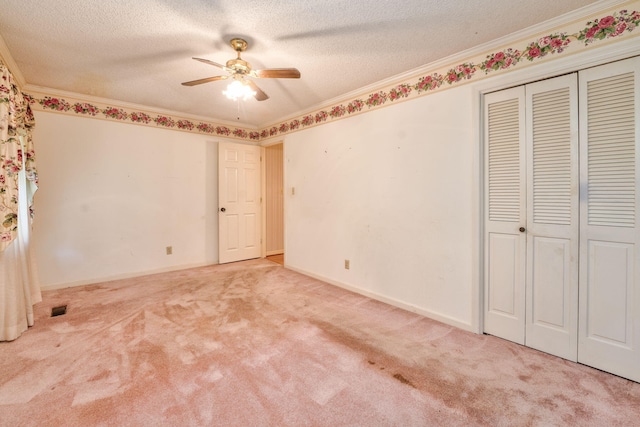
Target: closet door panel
point(609, 337)
point(552, 216)
point(550, 276)
point(505, 245)
point(609, 292)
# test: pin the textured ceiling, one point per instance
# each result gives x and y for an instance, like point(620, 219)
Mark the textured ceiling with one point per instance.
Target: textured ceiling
point(140, 51)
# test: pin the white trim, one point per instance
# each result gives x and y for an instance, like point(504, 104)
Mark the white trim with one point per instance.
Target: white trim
point(399, 304)
point(103, 279)
point(477, 211)
point(5, 54)
point(275, 252)
point(284, 198)
point(263, 204)
point(621, 50)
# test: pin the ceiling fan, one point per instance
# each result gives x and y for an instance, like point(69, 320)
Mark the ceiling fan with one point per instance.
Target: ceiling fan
point(238, 69)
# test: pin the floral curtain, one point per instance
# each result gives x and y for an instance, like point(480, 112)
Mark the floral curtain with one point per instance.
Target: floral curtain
point(19, 288)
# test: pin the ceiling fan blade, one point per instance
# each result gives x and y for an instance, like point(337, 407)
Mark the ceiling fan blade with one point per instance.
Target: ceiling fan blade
point(260, 95)
point(215, 64)
point(207, 80)
point(278, 73)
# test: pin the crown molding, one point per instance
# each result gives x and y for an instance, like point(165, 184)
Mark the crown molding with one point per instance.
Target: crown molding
point(6, 57)
point(126, 105)
point(59, 102)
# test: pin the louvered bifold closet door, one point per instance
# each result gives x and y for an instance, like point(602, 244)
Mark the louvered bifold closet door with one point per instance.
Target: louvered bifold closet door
point(505, 214)
point(609, 331)
point(552, 216)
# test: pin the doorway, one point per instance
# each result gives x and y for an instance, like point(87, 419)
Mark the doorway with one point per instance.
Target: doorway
point(274, 202)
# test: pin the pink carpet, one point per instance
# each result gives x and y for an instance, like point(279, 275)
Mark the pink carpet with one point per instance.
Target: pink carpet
point(255, 344)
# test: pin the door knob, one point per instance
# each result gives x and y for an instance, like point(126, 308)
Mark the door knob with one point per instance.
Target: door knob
point(223, 210)
point(522, 229)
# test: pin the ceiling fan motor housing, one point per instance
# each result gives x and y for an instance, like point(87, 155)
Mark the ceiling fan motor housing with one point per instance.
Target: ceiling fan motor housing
point(239, 66)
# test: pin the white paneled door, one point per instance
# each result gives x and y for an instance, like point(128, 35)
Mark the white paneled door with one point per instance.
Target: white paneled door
point(562, 267)
point(609, 231)
point(552, 216)
point(531, 242)
point(239, 202)
point(505, 213)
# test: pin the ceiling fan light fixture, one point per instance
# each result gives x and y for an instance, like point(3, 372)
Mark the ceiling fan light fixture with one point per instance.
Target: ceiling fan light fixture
point(238, 69)
point(239, 89)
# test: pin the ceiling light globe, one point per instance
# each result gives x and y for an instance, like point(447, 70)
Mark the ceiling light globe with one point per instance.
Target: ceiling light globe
point(239, 89)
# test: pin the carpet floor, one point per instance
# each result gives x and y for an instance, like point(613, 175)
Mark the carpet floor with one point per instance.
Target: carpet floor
point(255, 344)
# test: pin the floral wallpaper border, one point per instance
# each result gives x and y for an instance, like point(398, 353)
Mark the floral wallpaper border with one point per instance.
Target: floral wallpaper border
point(606, 27)
point(62, 105)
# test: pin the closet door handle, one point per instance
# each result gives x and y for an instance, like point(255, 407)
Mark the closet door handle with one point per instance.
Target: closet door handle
point(522, 229)
point(223, 210)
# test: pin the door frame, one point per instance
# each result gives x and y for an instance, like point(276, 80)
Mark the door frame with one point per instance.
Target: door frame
point(263, 184)
point(263, 194)
point(528, 74)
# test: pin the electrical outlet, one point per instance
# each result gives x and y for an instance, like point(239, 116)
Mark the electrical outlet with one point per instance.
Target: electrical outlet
point(347, 264)
point(169, 250)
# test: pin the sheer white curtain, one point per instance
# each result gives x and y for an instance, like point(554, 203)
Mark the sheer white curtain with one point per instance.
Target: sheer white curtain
point(19, 286)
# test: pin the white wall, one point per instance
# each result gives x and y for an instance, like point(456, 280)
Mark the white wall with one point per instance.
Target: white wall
point(113, 195)
point(395, 191)
point(392, 191)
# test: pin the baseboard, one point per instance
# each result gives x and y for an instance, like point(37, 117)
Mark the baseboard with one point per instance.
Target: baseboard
point(276, 252)
point(391, 301)
point(120, 276)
